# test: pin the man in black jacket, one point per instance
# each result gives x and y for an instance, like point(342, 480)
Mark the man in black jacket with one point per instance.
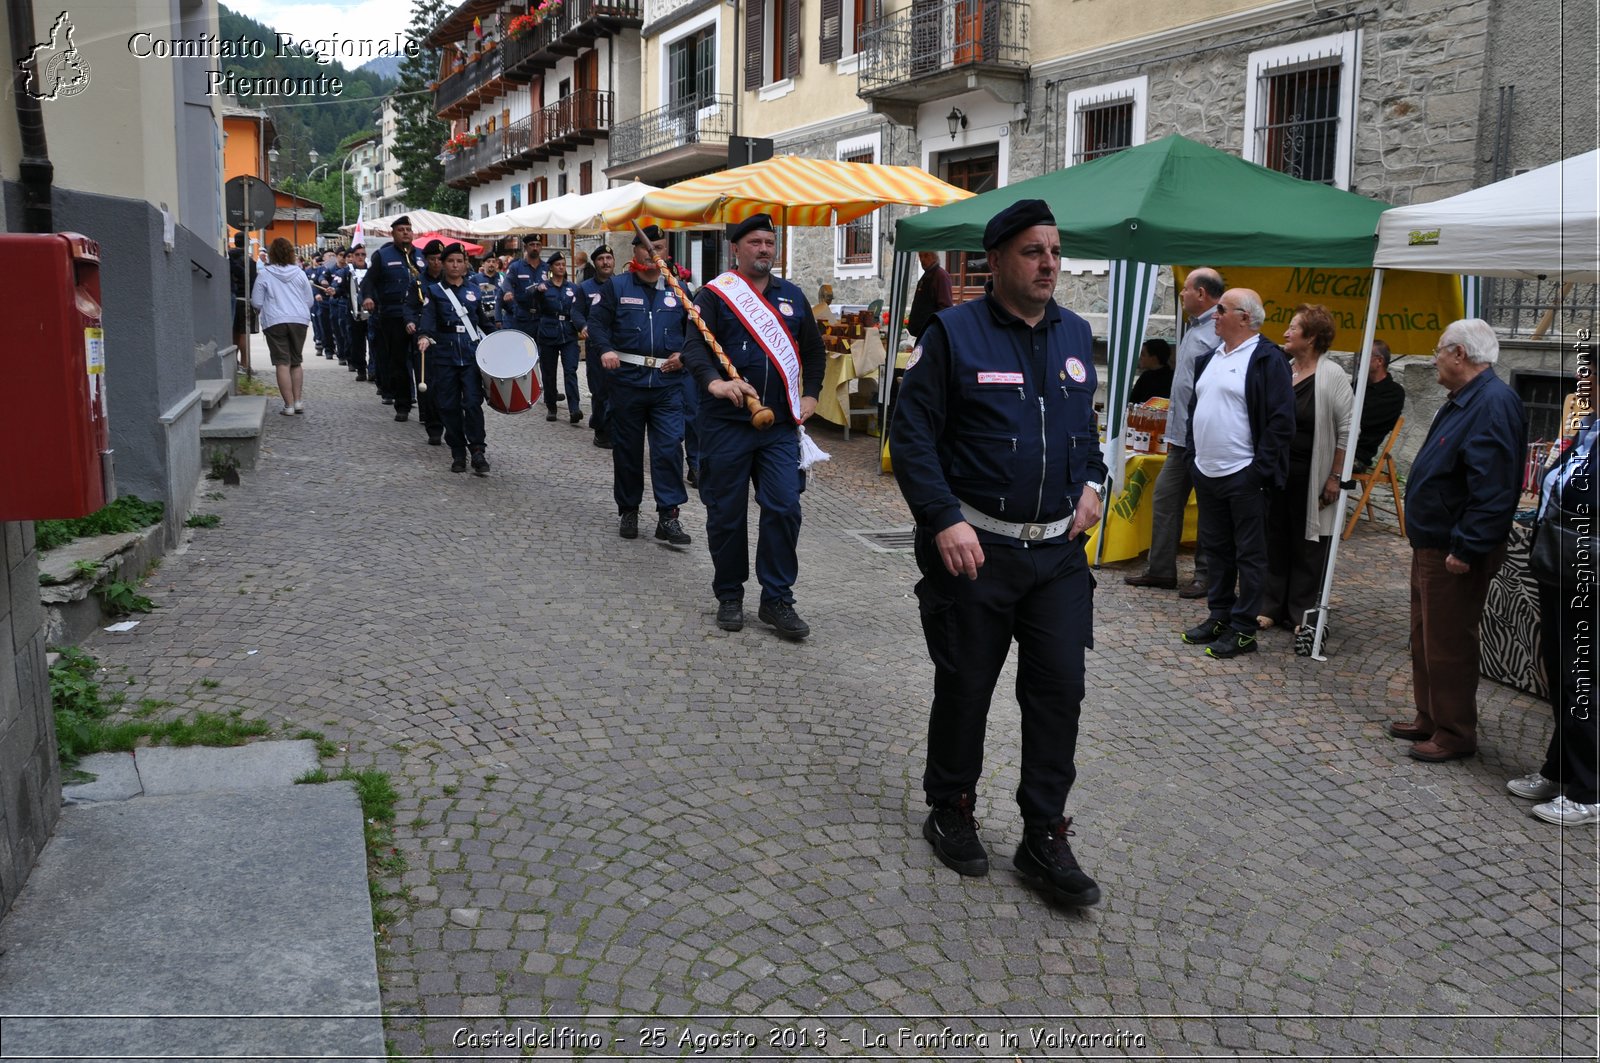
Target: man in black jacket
point(1241, 420)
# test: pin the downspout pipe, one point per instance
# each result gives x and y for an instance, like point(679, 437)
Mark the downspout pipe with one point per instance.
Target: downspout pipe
point(36, 172)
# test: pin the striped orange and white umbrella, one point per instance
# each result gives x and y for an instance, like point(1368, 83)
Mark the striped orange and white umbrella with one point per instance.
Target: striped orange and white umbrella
point(793, 189)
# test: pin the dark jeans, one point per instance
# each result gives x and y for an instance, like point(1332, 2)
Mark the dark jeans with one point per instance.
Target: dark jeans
point(567, 354)
point(633, 411)
point(458, 395)
point(1565, 631)
point(1233, 528)
point(734, 454)
point(1445, 612)
point(1043, 597)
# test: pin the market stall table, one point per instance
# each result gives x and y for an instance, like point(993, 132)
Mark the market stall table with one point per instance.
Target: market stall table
point(1128, 513)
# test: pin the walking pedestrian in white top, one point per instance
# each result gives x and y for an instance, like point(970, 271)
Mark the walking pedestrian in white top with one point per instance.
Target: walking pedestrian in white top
point(283, 295)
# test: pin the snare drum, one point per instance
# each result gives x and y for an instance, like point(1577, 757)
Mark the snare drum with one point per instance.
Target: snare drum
point(506, 361)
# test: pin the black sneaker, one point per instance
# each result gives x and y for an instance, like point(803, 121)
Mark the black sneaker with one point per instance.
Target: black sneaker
point(361, 378)
point(1045, 859)
point(480, 463)
point(458, 463)
point(782, 616)
point(1232, 644)
point(387, 401)
point(402, 415)
point(603, 441)
point(669, 529)
point(576, 416)
point(953, 833)
point(730, 615)
point(628, 526)
point(436, 439)
point(551, 415)
point(1205, 633)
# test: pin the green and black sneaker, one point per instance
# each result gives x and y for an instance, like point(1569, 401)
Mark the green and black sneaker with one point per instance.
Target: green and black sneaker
point(1232, 644)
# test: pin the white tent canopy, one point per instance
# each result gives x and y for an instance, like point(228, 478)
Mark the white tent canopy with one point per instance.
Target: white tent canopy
point(570, 212)
point(422, 221)
point(1538, 224)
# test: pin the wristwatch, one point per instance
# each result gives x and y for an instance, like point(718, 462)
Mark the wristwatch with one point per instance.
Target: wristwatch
point(1099, 489)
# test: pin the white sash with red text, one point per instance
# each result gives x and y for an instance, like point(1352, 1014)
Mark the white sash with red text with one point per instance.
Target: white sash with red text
point(758, 318)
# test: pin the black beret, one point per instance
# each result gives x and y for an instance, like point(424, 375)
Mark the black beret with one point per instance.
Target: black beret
point(754, 223)
point(404, 219)
point(1023, 214)
point(652, 233)
point(557, 257)
point(601, 250)
point(453, 249)
point(434, 247)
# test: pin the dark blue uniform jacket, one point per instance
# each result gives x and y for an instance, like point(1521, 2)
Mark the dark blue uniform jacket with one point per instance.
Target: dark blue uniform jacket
point(999, 415)
point(749, 358)
point(395, 287)
point(561, 312)
point(633, 317)
point(441, 323)
point(521, 279)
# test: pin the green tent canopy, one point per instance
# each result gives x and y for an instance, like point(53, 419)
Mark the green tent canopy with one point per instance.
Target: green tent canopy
point(1173, 201)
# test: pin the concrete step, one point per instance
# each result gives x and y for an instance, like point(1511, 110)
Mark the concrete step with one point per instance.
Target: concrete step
point(235, 427)
point(72, 610)
point(213, 393)
point(216, 890)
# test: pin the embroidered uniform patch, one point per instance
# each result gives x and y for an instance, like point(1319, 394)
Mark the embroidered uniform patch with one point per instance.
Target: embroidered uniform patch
point(628, 300)
point(916, 356)
point(669, 301)
point(785, 309)
point(999, 378)
point(1076, 370)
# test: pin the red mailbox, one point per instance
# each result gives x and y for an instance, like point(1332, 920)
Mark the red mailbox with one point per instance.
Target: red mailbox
point(55, 443)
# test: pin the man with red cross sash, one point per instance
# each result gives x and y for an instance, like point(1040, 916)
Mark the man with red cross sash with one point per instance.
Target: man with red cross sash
point(765, 328)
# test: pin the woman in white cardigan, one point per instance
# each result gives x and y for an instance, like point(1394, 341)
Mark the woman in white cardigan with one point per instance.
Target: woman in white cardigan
point(1300, 517)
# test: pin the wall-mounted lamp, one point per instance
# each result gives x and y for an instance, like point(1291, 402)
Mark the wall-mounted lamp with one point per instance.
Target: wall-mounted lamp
point(957, 120)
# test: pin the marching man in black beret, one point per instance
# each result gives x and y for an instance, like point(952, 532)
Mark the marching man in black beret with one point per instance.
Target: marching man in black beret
point(765, 327)
point(454, 320)
point(996, 449)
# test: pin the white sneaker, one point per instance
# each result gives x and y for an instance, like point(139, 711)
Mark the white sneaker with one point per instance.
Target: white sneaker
point(1564, 813)
point(287, 411)
point(300, 407)
point(1534, 787)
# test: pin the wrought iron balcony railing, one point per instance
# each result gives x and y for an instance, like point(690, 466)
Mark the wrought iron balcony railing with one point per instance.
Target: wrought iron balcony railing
point(464, 164)
point(937, 36)
point(694, 120)
point(565, 31)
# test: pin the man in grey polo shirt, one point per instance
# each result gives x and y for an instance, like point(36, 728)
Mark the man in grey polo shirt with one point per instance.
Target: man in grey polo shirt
point(1199, 295)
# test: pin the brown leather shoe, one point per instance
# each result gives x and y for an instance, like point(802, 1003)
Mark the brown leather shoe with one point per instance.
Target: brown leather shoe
point(1434, 753)
point(1409, 732)
point(1165, 583)
point(1194, 589)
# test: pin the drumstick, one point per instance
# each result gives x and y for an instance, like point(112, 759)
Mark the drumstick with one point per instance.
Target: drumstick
point(761, 416)
point(422, 370)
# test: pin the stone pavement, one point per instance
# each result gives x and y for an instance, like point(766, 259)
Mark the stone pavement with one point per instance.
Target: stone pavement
point(627, 829)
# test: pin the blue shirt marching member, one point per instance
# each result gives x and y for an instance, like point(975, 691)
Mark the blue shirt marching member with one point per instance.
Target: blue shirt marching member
point(396, 280)
point(455, 318)
point(997, 453)
point(604, 264)
point(338, 279)
point(317, 274)
point(783, 368)
point(487, 280)
point(522, 277)
point(638, 330)
point(562, 314)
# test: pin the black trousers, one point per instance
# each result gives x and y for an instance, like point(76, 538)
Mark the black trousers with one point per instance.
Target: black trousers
point(1233, 527)
point(394, 367)
point(1567, 639)
point(1042, 597)
point(1294, 563)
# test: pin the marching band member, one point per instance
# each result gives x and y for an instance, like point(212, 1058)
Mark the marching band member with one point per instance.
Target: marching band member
point(561, 313)
point(454, 319)
point(603, 263)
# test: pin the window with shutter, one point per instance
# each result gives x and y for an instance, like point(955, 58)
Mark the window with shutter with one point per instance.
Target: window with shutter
point(1299, 108)
point(856, 242)
point(831, 44)
point(791, 37)
point(754, 53)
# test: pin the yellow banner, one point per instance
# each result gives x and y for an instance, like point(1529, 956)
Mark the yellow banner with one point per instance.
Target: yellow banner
point(1414, 309)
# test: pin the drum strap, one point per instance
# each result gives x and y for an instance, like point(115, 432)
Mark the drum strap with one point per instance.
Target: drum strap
point(472, 332)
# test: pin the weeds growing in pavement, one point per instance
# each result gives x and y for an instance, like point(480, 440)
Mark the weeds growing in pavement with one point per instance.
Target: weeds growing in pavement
point(378, 798)
point(127, 514)
point(202, 520)
point(122, 598)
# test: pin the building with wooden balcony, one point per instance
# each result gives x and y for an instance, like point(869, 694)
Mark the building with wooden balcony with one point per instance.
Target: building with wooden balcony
point(532, 98)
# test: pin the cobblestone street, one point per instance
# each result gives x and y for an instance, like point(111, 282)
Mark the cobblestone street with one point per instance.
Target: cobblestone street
point(626, 828)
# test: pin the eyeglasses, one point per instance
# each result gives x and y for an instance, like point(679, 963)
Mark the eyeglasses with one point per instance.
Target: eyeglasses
point(1442, 348)
point(1223, 309)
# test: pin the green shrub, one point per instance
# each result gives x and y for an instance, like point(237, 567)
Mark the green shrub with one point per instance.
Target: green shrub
point(126, 514)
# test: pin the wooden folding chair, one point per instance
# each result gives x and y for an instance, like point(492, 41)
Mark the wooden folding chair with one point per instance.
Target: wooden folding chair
point(1382, 472)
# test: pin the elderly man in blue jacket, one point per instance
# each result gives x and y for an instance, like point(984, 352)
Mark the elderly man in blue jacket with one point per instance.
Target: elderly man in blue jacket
point(1241, 419)
point(1460, 498)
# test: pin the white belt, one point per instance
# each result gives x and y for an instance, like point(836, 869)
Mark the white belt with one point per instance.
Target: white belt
point(648, 363)
point(1032, 533)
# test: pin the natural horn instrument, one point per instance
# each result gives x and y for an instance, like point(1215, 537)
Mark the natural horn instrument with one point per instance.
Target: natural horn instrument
point(761, 416)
